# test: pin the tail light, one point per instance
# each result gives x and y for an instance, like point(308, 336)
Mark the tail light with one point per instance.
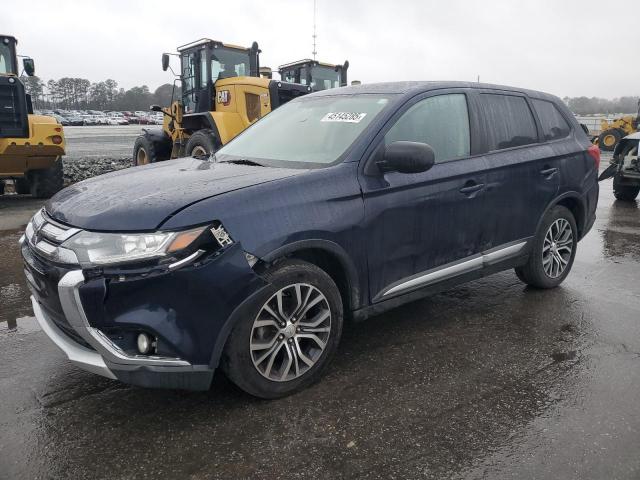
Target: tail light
point(56, 139)
point(594, 151)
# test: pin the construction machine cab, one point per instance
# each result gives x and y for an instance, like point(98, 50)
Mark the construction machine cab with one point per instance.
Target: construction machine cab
point(318, 75)
point(222, 94)
point(204, 62)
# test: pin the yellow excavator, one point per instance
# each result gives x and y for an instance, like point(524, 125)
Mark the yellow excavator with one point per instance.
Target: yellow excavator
point(31, 145)
point(614, 131)
point(222, 94)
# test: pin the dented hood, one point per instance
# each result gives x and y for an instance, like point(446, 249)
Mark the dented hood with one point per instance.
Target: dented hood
point(141, 198)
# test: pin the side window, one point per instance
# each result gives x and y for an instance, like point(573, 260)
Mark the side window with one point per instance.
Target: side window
point(510, 122)
point(441, 121)
point(554, 126)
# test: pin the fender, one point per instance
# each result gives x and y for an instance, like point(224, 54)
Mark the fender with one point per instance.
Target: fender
point(623, 143)
point(156, 135)
point(330, 247)
point(581, 222)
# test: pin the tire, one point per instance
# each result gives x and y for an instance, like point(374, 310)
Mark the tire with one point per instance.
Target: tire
point(202, 143)
point(22, 186)
point(243, 365)
point(144, 151)
point(625, 193)
point(536, 271)
point(608, 139)
point(46, 182)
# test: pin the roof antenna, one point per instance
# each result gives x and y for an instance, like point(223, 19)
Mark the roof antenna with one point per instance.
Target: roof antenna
point(314, 30)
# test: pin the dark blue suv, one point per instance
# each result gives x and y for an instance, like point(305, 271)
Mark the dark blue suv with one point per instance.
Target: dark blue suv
point(340, 204)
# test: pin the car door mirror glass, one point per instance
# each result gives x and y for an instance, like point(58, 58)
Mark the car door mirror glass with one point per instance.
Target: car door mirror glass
point(407, 157)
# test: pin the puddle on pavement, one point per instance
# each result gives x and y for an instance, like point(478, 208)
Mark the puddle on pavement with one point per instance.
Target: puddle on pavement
point(22, 325)
point(14, 294)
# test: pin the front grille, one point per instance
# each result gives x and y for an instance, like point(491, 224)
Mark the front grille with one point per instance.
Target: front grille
point(14, 122)
point(43, 274)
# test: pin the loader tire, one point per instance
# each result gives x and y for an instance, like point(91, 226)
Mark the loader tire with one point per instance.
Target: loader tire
point(46, 182)
point(202, 143)
point(22, 186)
point(144, 151)
point(608, 139)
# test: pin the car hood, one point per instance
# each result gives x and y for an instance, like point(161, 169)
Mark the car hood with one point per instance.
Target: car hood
point(142, 198)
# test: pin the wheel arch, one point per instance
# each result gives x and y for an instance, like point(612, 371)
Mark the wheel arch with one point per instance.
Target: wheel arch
point(576, 205)
point(330, 257)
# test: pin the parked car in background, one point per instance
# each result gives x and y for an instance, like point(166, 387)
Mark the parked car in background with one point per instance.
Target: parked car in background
point(345, 202)
point(75, 120)
point(61, 120)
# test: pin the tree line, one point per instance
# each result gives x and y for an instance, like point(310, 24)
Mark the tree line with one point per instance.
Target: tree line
point(593, 105)
point(71, 93)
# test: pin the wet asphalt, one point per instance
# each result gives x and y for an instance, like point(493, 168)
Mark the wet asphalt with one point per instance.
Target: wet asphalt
point(488, 380)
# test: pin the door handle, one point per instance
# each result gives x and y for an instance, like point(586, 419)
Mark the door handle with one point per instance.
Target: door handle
point(470, 189)
point(548, 172)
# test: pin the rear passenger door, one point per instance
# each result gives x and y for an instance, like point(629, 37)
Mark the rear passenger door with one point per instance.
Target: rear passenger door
point(522, 173)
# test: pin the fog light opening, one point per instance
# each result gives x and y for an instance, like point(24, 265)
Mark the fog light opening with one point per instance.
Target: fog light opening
point(146, 344)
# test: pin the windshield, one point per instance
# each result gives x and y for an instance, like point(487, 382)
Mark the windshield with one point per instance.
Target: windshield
point(309, 132)
point(323, 78)
point(227, 63)
point(6, 59)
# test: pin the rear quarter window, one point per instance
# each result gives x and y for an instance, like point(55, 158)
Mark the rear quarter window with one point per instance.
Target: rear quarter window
point(554, 125)
point(510, 122)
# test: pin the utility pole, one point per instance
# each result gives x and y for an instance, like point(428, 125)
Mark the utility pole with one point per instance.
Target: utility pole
point(314, 30)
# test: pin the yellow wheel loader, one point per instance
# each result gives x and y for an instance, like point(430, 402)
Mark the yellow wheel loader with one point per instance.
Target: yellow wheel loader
point(31, 146)
point(318, 75)
point(222, 94)
point(614, 131)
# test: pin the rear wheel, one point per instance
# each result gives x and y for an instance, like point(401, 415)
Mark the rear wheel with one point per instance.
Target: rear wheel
point(144, 151)
point(553, 250)
point(608, 139)
point(289, 334)
point(202, 143)
point(625, 193)
point(46, 182)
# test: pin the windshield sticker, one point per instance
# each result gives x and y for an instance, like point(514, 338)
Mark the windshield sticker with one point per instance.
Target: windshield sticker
point(348, 117)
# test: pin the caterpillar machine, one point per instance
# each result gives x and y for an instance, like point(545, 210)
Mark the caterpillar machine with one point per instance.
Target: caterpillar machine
point(612, 132)
point(30, 145)
point(318, 75)
point(222, 94)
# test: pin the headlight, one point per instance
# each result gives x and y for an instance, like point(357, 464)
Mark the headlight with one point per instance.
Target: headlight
point(109, 248)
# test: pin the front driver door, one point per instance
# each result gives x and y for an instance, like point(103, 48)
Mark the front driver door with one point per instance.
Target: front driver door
point(418, 225)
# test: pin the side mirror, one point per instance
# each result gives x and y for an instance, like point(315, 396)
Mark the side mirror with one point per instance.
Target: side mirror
point(407, 157)
point(155, 108)
point(29, 66)
point(165, 62)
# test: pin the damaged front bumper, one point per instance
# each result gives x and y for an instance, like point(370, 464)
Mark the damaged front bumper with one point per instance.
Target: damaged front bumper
point(189, 311)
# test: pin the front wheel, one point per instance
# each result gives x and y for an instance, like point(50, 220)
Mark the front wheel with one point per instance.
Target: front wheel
point(202, 144)
point(289, 335)
point(553, 250)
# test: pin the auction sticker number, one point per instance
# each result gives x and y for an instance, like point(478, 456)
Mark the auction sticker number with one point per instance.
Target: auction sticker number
point(348, 117)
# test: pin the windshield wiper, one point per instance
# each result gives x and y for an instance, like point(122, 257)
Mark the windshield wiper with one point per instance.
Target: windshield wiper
point(243, 161)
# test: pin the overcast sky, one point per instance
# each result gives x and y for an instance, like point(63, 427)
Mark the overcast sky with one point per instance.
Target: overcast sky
point(568, 47)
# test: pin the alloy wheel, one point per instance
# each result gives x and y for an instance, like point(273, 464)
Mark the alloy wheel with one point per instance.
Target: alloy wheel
point(557, 248)
point(290, 332)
